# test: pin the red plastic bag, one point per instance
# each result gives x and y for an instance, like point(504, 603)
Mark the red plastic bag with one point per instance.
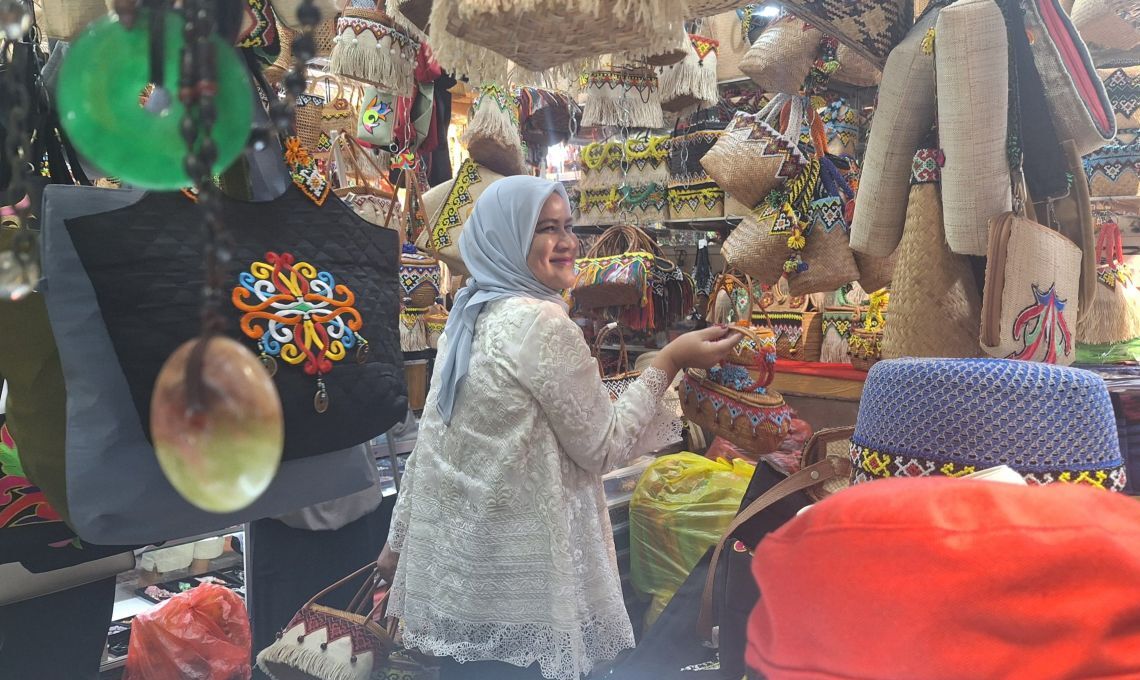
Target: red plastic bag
point(202, 634)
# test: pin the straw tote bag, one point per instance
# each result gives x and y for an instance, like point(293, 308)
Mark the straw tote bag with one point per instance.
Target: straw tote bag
point(905, 114)
point(972, 64)
point(870, 27)
point(731, 31)
point(752, 157)
point(1114, 316)
point(1114, 24)
point(935, 306)
point(624, 96)
point(448, 206)
point(782, 56)
point(761, 245)
point(827, 255)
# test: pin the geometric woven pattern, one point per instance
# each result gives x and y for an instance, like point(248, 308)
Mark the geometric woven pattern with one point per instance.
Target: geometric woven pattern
point(942, 416)
point(1123, 87)
point(871, 27)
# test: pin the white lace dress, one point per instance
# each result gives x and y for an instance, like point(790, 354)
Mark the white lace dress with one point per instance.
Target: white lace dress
point(506, 549)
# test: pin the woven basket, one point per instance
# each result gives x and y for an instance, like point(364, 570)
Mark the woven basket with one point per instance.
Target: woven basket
point(855, 70)
point(492, 136)
point(420, 280)
point(875, 273)
point(782, 56)
point(728, 30)
point(752, 158)
point(757, 423)
point(275, 72)
point(935, 304)
point(866, 348)
point(615, 271)
point(904, 115)
point(827, 253)
point(1114, 170)
point(617, 381)
point(870, 27)
point(972, 63)
point(625, 97)
point(1114, 24)
point(368, 48)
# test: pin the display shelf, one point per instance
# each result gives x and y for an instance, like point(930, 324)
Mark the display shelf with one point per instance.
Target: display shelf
point(700, 224)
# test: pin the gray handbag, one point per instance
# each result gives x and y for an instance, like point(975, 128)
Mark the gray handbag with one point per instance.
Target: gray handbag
point(116, 492)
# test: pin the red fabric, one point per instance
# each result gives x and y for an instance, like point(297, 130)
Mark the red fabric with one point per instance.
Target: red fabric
point(838, 371)
point(1058, 28)
point(945, 578)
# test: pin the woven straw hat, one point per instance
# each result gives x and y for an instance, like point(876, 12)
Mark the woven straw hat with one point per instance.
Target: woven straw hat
point(924, 417)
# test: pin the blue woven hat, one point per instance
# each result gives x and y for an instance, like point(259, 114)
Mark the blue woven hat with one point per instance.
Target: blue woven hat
point(921, 417)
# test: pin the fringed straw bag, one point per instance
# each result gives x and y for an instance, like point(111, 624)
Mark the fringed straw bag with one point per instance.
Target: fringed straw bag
point(935, 305)
point(693, 81)
point(492, 136)
point(369, 48)
point(972, 65)
point(674, 54)
point(1114, 316)
point(904, 115)
point(782, 56)
point(752, 157)
point(624, 97)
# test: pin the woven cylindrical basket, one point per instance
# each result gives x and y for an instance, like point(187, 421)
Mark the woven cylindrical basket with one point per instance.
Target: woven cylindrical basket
point(728, 413)
point(935, 304)
point(307, 120)
point(275, 72)
point(904, 115)
point(972, 62)
point(782, 56)
point(1108, 23)
point(752, 157)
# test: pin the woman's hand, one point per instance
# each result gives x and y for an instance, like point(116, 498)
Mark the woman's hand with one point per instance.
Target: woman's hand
point(697, 349)
point(386, 563)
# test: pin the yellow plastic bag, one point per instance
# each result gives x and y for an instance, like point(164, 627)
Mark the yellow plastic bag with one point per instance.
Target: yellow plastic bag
point(680, 508)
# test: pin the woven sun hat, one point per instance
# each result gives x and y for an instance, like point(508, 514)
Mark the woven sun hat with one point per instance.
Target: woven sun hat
point(944, 579)
point(923, 417)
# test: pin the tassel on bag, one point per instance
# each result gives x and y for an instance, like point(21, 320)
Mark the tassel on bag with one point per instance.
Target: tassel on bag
point(492, 136)
point(693, 81)
point(1114, 315)
point(935, 305)
point(623, 96)
point(367, 49)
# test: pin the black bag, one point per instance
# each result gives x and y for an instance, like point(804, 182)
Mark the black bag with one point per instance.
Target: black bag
point(144, 262)
point(771, 500)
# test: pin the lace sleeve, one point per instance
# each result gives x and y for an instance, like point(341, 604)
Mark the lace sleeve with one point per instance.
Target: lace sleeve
point(555, 365)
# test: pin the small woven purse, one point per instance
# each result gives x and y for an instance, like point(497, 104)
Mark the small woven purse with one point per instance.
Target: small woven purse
point(616, 269)
point(616, 381)
point(322, 643)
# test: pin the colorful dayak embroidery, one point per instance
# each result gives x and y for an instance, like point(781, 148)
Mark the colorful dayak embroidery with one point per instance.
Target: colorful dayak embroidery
point(299, 314)
point(459, 198)
point(304, 172)
point(926, 168)
point(1042, 326)
point(259, 25)
point(21, 502)
point(703, 46)
point(375, 112)
point(870, 464)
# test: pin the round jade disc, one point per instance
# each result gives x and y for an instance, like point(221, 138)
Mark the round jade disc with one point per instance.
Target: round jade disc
point(100, 81)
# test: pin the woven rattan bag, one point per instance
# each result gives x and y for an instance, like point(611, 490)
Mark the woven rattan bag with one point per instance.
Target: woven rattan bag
point(972, 62)
point(368, 48)
point(904, 115)
point(492, 136)
point(935, 306)
point(753, 157)
point(623, 96)
point(870, 27)
point(1114, 24)
point(827, 255)
point(782, 56)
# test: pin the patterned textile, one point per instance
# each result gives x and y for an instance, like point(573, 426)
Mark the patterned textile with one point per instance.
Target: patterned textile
point(258, 25)
point(954, 416)
point(1114, 170)
point(21, 502)
point(926, 168)
point(871, 27)
point(1123, 87)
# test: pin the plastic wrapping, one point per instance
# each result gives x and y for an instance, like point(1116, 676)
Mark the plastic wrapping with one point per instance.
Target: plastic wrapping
point(1114, 353)
point(679, 510)
point(202, 634)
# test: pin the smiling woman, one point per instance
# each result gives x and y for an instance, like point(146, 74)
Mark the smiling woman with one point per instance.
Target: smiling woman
point(501, 555)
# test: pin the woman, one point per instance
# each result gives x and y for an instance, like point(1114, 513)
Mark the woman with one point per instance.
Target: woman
point(501, 555)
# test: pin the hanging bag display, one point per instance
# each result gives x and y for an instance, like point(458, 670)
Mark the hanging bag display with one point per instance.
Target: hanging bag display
point(624, 96)
point(323, 643)
point(492, 135)
point(782, 57)
point(752, 157)
point(615, 271)
point(935, 304)
point(117, 286)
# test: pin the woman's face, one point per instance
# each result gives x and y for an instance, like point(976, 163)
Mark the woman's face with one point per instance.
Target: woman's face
point(555, 247)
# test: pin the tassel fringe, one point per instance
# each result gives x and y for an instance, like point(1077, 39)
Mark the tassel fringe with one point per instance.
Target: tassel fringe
point(1113, 317)
point(388, 60)
point(413, 331)
point(307, 661)
point(693, 81)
